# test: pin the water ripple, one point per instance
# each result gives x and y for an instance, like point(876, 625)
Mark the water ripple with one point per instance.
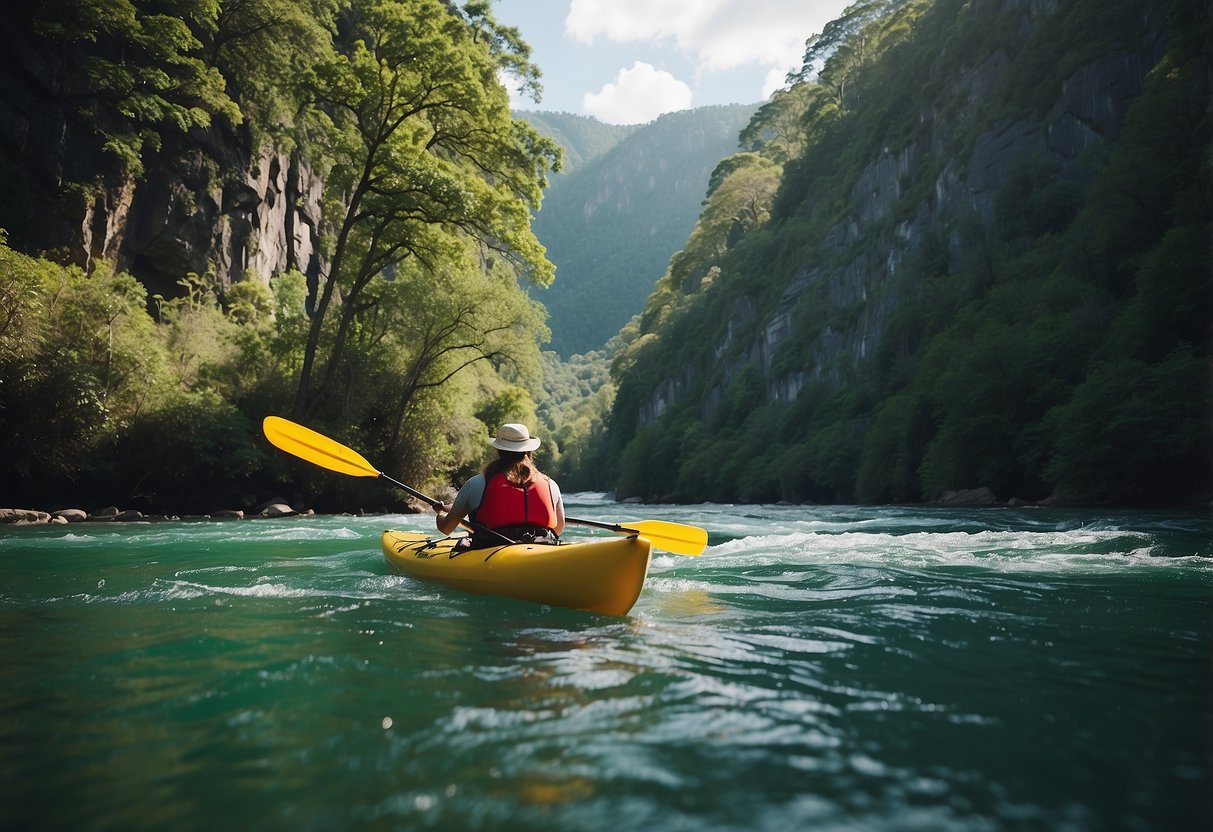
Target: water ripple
point(840, 668)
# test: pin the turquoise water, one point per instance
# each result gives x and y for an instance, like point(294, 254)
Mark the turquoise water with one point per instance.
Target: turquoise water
point(815, 668)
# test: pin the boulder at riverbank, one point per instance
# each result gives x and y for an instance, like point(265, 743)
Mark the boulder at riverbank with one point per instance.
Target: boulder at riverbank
point(23, 516)
point(969, 497)
point(112, 514)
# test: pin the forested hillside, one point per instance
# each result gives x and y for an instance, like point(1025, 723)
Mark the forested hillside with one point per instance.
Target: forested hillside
point(611, 226)
point(583, 139)
point(973, 251)
point(260, 207)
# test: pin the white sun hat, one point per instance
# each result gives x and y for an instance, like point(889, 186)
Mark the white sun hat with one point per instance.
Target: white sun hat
point(514, 437)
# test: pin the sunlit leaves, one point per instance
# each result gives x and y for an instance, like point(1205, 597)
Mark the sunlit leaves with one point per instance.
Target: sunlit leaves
point(424, 154)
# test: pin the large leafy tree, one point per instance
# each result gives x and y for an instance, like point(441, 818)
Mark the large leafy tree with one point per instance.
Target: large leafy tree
point(424, 155)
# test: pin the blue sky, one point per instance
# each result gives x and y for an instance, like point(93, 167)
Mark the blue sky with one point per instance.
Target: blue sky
point(629, 61)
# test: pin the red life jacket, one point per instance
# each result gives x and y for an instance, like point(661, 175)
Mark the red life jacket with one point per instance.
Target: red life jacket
point(505, 504)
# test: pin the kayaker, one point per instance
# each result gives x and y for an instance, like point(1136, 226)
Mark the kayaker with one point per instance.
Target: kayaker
point(511, 496)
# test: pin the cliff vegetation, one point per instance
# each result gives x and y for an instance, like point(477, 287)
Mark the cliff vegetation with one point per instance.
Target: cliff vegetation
point(969, 248)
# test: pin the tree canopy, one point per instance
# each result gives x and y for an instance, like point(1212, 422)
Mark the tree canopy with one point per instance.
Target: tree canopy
point(422, 152)
point(414, 327)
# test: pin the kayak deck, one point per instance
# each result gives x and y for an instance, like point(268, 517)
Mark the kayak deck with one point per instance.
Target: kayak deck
point(601, 575)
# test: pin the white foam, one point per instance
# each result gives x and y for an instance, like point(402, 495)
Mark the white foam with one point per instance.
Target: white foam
point(1082, 548)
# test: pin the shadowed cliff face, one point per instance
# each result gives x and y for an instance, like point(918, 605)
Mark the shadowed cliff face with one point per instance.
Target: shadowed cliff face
point(255, 219)
point(204, 202)
point(181, 217)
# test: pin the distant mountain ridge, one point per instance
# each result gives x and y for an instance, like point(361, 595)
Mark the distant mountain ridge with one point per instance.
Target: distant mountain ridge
point(583, 138)
point(628, 200)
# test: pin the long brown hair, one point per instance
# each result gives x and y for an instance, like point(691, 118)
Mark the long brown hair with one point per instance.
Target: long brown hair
point(517, 466)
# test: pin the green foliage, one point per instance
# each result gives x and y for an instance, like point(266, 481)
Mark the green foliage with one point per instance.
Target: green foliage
point(573, 405)
point(1059, 347)
point(1036, 200)
point(261, 47)
point(130, 71)
point(777, 130)
point(849, 43)
point(888, 468)
point(455, 336)
point(1136, 432)
point(424, 155)
point(248, 301)
point(194, 452)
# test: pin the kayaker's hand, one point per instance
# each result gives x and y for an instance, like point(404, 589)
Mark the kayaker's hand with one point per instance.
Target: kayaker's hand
point(441, 509)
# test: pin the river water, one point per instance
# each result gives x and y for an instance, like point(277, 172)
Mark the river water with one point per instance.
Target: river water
point(816, 668)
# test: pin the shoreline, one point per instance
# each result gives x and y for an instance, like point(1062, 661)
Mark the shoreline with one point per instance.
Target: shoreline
point(279, 510)
point(70, 516)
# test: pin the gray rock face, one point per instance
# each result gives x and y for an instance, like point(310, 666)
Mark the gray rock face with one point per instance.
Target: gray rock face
point(181, 218)
point(187, 212)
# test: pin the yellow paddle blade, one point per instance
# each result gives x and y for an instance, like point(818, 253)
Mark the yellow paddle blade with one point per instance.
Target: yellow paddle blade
point(676, 538)
point(316, 448)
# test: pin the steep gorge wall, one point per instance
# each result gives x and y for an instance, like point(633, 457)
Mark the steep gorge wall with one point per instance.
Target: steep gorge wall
point(853, 268)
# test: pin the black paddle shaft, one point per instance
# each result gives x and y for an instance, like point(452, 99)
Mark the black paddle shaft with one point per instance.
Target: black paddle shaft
point(611, 527)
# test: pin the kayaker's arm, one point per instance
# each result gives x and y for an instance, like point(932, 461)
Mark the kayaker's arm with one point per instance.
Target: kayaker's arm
point(449, 517)
point(559, 529)
point(447, 521)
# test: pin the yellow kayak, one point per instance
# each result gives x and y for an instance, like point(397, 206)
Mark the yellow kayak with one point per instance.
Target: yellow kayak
point(602, 575)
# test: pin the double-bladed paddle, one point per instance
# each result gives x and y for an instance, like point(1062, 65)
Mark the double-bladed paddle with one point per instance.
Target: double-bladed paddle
point(676, 538)
point(318, 449)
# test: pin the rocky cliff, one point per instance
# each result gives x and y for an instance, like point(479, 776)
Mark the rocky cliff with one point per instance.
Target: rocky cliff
point(208, 201)
point(999, 229)
point(259, 219)
point(206, 205)
point(852, 267)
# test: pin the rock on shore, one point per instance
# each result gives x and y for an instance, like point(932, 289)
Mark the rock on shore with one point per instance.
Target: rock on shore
point(112, 514)
point(23, 516)
point(969, 497)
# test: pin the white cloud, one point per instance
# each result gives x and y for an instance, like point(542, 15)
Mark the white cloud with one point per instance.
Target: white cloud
point(718, 34)
point(629, 20)
point(513, 87)
point(776, 79)
point(638, 95)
